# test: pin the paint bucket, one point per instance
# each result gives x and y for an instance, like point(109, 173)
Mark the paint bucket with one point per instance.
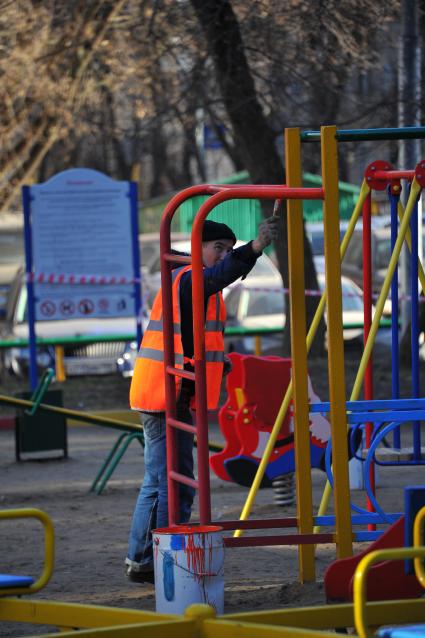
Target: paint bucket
point(189, 567)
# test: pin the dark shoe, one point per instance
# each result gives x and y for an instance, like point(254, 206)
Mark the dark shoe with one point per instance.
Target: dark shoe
point(139, 576)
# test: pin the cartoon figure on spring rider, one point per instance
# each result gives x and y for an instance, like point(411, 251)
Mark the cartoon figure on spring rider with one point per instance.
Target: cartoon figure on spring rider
point(255, 389)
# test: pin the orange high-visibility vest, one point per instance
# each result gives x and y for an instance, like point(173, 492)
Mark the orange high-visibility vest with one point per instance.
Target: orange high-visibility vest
point(147, 391)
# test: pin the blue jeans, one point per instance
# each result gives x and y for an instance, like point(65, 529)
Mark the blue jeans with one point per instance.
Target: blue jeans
point(151, 510)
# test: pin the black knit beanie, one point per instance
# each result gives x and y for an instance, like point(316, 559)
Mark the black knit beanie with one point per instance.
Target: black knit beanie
point(216, 230)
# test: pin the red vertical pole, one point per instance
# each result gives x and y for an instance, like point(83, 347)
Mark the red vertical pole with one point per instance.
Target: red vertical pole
point(367, 308)
point(170, 385)
point(200, 369)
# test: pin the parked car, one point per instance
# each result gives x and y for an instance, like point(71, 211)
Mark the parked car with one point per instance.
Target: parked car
point(94, 357)
point(12, 255)
point(252, 306)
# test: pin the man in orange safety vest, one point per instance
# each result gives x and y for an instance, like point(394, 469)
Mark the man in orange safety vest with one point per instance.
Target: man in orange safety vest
point(222, 265)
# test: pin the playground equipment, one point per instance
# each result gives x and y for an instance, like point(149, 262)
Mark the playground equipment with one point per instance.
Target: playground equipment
point(388, 580)
point(254, 389)
point(297, 391)
point(13, 584)
point(293, 193)
point(365, 192)
point(200, 619)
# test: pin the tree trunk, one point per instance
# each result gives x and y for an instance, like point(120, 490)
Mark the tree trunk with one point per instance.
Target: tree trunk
point(253, 136)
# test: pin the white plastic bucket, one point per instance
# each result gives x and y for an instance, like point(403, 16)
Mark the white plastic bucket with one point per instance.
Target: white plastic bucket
point(189, 567)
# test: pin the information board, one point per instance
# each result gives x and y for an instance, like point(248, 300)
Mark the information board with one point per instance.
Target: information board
point(81, 244)
point(81, 250)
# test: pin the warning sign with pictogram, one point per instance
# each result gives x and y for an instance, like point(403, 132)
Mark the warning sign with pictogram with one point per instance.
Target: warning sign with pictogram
point(67, 307)
point(47, 308)
point(86, 306)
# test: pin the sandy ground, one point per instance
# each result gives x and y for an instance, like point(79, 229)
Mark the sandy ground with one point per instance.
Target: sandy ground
point(91, 530)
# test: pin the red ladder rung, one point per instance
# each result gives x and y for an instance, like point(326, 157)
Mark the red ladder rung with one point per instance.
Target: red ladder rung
point(181, 425)
point(178, 372)
point(181, 478)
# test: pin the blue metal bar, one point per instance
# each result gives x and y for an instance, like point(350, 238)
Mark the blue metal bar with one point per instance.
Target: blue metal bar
point(136, 259)
point(361, 537)
point(357, 519)
point(395, 378)
point(358, 135)
point(415, 327)
point(376, 404)
point(26, 199)
point(383, 417)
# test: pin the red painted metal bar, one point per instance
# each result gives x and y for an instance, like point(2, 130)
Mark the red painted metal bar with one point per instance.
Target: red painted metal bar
point(181, 478)
point(178, 372)
point(255, 523)
point(217, 194)
point(367, 310)
point(177, 259)
point(287, 539)
point(181, 425)
point(242, 192)
point(390, 175)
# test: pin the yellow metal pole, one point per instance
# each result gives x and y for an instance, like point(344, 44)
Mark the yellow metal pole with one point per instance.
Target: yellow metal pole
point(418, 541)
point(257, 345)
point(49, 549)
point(336, 369)
point(414, 193)
point(364, 192)
point(59, 364)
point(299, 354)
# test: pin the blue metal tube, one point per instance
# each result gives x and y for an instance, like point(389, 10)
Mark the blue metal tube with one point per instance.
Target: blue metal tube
point(26, 199)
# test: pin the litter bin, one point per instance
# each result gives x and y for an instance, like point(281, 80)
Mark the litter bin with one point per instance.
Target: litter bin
point(42, 435)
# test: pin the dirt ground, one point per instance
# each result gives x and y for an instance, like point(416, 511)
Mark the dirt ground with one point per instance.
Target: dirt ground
point(91, 530)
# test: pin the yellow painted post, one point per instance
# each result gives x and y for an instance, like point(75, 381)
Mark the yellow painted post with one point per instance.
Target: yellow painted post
point(257, 345)
point(336, 368)
point(59, 364)
point(299, 354)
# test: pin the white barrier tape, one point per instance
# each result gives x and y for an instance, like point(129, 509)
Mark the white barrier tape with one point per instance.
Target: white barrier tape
point(319, 293)
point(52, 278)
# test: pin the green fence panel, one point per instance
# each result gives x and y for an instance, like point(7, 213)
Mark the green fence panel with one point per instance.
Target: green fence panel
point(242, 215)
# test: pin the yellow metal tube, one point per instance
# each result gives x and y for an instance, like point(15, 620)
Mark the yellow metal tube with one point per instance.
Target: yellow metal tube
point(257, 345)
point(418, 541)
point(60, 364)
point(336, 367)
point(49, 549)
point(364, 192)
point(299, 354)
point(414, 193)
point(361, 619)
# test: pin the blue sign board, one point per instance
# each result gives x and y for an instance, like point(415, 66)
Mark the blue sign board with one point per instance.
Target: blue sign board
point(82, 251)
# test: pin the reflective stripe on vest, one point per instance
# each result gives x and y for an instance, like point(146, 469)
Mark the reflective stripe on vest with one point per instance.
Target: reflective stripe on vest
point(147, 391)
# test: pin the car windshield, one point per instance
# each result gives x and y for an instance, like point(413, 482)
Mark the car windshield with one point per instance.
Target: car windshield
point(351, 299)
point(265, 302)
